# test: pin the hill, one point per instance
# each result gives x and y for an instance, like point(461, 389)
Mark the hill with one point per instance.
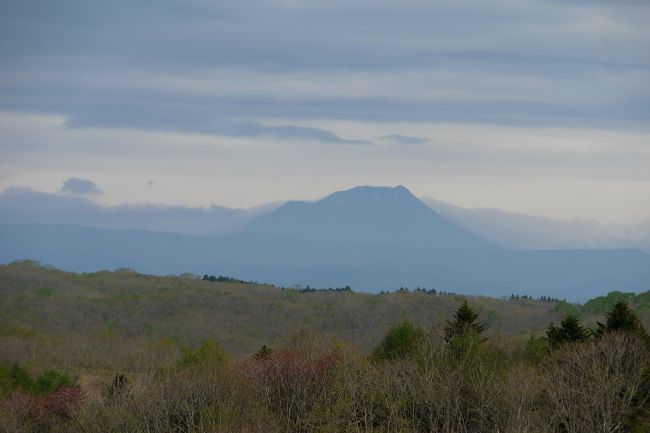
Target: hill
point(35, 300)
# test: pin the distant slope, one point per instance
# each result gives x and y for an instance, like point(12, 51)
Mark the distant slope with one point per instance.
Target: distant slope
point(521, 231)
point(364, 216)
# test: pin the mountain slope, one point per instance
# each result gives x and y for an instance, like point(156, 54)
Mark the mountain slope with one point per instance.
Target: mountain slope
point(522, 231)
point(366, 216)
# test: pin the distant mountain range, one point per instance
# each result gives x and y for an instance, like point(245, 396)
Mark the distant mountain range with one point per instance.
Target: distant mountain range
point(508, 229)
point(372, 238)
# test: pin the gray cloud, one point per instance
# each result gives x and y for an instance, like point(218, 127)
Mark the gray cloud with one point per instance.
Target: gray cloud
point(342, 73)
point(75, 185)
point(405, 139)
point(539, 63)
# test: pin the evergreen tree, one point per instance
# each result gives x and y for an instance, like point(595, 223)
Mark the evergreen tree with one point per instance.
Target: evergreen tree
point(621, 318)
point(263, 353)
point(569, 331)
point(465, 322)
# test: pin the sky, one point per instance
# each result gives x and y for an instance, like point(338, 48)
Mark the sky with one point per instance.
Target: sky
point(534, 106)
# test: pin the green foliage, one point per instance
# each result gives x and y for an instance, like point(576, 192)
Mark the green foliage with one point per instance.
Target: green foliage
point(401, 341)
point(14, 377)
point(465, 322)
point(567, 309)
point(50, 381)
point(535, 349)
point(209, 351)
point(602, 304)
point(621, 318)
point(17, 331)
point(44, 292)
point(642, 301)
point(569, 331)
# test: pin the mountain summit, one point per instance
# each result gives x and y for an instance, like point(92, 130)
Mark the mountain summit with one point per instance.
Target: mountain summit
point(366, 215)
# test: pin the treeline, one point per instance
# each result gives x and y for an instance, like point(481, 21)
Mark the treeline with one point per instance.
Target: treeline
point(309, 289)
point(449, 379)
point(541, 298)
point(419, 290)
point(223, 279)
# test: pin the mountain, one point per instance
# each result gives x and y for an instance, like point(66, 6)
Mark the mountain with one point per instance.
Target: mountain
point(368, 237)
point(507, 229)
point(366, 215)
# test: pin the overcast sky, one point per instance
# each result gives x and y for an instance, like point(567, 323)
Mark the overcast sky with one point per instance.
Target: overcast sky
point(536, 106)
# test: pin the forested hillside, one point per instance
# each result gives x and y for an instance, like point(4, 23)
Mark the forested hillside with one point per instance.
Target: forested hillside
point(124, 352)
point(243, 316)
point(121, 351)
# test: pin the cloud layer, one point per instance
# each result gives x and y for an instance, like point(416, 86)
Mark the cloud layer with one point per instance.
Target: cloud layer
point(187, 101)
point(190, 66)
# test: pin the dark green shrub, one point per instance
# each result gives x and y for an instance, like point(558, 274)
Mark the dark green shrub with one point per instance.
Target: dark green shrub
point(50, 381)
point(16, 377)
point(208, 351)
point(401, 341)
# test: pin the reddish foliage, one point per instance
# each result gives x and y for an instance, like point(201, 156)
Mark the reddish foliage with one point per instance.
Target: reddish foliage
point(295, 365)
point(59, 403)
point(291, 381)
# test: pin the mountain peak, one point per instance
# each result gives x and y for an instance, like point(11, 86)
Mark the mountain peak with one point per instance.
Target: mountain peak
point(366, 215)
point(371, 194)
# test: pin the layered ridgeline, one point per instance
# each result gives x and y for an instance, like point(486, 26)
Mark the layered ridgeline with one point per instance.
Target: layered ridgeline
point(371, 238)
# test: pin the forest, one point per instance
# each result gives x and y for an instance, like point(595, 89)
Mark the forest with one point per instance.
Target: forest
point(125, 352)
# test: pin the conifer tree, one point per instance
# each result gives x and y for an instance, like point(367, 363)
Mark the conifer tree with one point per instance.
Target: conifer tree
point(263, 353)
point(621, 318)
point(569, 331)
point(465, 322)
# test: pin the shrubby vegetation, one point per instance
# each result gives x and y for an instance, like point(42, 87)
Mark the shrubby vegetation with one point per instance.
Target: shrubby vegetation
point(417, 380)
point(458, 373)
